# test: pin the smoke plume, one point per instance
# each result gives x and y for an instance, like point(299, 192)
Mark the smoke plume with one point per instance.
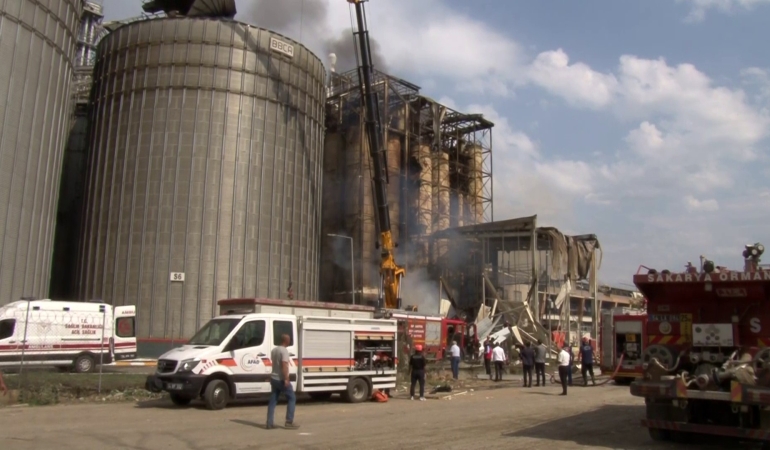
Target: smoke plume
point(305, 21)
point(418, 289)
point(345, 48)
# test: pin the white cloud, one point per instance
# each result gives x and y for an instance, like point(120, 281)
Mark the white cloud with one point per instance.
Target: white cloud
point(689, 135)
point(694, 205)
point(700, 7)
point(759, 79)
point(430, 39)
point(576, 83)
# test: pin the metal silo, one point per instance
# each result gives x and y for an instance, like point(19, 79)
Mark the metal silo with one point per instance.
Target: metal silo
point(204, 177)
point(37, 49)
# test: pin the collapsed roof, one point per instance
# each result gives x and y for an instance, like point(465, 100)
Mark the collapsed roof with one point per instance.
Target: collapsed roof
point(192, 8)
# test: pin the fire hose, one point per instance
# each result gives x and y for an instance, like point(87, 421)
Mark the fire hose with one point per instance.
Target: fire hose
point(612, 377)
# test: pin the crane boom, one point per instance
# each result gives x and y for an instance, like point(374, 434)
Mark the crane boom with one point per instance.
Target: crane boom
point(390, 272)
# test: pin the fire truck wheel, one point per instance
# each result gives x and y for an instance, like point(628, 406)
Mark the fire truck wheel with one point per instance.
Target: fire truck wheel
point(180, 400)
point(84, 364)
point(659, 435)
point(216, 395)
point(357, 391)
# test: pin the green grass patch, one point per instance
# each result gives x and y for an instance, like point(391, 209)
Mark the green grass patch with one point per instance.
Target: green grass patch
point(50, 388)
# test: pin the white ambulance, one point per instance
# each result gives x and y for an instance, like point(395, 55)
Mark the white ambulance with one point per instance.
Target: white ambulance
point(334, 349)
point(68, 335)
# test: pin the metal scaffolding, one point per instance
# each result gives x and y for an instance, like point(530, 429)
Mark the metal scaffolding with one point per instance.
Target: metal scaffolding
point(439, 167)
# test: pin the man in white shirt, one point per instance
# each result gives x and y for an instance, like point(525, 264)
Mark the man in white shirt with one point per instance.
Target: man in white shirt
point(564, 368)
point(498, 357)
point(454, 352)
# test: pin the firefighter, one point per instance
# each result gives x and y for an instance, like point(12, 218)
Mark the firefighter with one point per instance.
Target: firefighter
point(417, 369)
point(587, 361)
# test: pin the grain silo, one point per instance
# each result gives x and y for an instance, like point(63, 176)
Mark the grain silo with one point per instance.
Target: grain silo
point(37, 49)
point(204, 177)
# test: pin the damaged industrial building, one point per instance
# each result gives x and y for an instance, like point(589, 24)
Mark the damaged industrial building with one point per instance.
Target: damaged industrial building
point(439, 166)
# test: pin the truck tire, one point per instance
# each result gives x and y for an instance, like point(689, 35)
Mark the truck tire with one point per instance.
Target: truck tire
point(216, 395)
point(320, 396)
point(659, 435)
point(180, 400)
point(357, 391)
point(84, 364)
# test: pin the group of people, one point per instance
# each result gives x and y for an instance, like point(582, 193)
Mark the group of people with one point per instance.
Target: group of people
point(534, 358)
point(494, 355)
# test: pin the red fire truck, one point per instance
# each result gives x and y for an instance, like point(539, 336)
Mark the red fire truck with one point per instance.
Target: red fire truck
point(434, 333)
point(707, 369)
point(623, 337)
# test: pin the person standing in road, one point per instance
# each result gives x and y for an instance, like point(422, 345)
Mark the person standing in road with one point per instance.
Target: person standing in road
point(417, 371)
point(527, 355)
point(540, 352)
point(454, 352)
point(587, 361)
point(488, 357)
point(563, 369)
point(280, 383)
point(498, 357)
point(3, 387)
point(571, 363)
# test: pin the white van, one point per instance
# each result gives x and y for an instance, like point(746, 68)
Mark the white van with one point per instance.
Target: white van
point(75, 335)
point(229, 358)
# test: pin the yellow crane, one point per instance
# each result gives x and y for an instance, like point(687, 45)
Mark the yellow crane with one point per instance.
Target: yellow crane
point(390, 272)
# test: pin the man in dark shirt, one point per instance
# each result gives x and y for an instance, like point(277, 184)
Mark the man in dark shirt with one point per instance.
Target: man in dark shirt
point(417, 369)
point(527, 355)
point(587, 361)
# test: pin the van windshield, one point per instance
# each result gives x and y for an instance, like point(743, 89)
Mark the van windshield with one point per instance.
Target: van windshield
point(214, 332)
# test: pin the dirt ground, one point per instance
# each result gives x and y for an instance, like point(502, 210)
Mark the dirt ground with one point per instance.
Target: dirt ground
point(506, 418)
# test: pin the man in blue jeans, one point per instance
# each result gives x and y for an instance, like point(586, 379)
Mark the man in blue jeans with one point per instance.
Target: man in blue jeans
point(280, 384)
point(454, 351)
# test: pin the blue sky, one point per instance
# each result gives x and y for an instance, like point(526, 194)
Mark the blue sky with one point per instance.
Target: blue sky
point(645, 122)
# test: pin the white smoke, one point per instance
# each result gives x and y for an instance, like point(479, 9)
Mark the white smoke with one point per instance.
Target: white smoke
point(306, 21)
point(418, 289)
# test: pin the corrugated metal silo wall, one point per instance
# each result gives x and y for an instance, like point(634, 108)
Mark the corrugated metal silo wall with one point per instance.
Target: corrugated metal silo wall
point(37, 47)
point(205, 160)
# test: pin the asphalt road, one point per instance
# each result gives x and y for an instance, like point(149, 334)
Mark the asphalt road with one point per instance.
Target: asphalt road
point(508, 418)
